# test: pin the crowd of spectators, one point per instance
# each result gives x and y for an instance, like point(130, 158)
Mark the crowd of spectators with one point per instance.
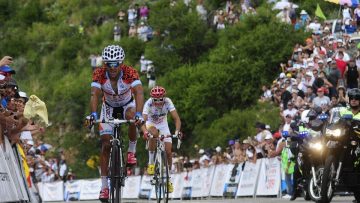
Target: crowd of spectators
point(27, 132)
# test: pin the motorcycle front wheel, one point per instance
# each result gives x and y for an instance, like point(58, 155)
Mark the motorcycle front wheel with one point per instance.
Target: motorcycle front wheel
point(327, 187)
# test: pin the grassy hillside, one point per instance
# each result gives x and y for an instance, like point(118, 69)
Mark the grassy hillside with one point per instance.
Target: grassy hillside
point(214, 78)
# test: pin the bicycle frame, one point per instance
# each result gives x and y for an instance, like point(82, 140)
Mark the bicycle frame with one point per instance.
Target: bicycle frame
point(161, 175)
point(116, 167)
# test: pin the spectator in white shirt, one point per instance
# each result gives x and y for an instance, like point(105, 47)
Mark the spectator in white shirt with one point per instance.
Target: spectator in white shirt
point(321, 100)
point(290, 110)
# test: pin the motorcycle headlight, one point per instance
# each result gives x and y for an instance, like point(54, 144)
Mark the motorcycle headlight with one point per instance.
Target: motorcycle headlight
point(335, 133)
point(317, 146)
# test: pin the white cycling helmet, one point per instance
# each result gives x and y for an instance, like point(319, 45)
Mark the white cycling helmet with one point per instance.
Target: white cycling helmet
point(113, 53)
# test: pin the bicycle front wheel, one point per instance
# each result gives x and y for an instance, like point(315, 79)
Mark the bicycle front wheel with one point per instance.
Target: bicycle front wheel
point(115, 185)
point(162, 173)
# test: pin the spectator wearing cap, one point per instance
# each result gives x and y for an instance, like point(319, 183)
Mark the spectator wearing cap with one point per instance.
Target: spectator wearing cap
point(321, 100)
point(351, 75)
point(7, 71)
point(250, 151)
point(11, 90)
point(268, 146)
point(305, 18)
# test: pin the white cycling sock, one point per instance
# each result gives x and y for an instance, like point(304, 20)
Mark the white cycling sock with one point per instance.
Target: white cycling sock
point(151, 157)
point(132, 146)
point(104, 182)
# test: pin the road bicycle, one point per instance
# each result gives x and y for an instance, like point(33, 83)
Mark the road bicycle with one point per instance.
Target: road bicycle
point(117, 167)
point(161, 176)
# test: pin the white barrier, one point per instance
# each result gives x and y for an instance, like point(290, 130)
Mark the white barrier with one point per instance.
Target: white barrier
point(13, 186)
point(51, 191)
point(249, 177)
point(232, 184)
point(222, 174)
point(90, 189)
point(132, 187)
point(202, 181)
point(270, 177)
point(72, 190)
point(244, 179)
point(145, 187)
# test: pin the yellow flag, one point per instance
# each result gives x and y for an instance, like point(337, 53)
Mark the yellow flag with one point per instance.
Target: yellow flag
point(319, 12)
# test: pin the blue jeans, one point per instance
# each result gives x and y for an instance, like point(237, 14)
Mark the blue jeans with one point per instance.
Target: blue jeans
point(288, 180)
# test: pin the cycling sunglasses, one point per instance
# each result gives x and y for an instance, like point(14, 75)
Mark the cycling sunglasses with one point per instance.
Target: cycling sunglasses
point(112, 64)
point(158, 99)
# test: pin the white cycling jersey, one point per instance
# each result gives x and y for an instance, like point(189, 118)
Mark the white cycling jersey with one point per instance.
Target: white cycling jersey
point(157, 115)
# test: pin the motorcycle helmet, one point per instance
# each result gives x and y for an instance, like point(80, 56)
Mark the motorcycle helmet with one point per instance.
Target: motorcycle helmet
point(354, 94)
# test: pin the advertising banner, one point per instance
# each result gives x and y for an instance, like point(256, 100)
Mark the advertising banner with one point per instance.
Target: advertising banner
point(145, 187)
point(231, 184)
point(222, 174)
point(72, 190)
point(248, 179)
point(52, 191)
point(132, 187)
point(269, 178)
point(90, 189)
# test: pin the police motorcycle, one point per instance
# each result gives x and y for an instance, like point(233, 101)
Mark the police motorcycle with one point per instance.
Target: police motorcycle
point(342, 163)
point(306, 144)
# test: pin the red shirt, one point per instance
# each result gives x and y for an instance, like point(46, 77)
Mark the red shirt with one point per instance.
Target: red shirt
point(341, 65)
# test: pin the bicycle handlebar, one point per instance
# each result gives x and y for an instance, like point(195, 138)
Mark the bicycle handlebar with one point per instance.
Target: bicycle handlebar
point(161, 137)
point(114, 121)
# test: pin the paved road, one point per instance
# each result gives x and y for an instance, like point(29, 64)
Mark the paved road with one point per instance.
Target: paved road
point(242, 200)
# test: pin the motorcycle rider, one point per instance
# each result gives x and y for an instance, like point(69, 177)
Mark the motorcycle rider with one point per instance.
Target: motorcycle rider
point(354, 107)
point(305, 131)
point(354, 103)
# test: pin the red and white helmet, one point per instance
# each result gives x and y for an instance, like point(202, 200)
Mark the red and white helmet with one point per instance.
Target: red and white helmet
point(157, 92)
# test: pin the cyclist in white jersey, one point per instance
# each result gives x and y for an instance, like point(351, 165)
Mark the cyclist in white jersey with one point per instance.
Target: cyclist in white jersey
point(117, 83)
point(155, 113)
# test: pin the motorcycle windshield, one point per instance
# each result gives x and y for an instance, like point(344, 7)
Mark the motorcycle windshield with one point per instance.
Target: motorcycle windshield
point(334, 115)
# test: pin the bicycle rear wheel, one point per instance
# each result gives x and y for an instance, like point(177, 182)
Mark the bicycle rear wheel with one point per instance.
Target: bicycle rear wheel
point(161, 187)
